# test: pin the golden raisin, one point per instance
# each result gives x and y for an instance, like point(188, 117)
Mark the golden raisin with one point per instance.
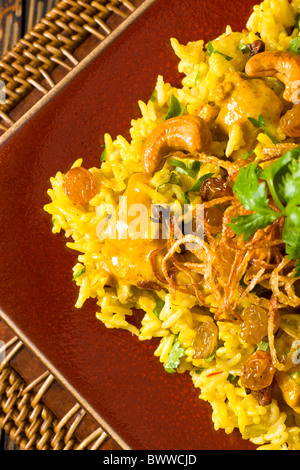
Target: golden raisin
point(255, 324)
point(80, 186)
point(258, 371)
point(290, 122)
point(213, 188)
point(205, 340)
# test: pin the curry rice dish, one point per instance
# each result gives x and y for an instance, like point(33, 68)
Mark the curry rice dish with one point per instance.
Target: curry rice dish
point(218, 282)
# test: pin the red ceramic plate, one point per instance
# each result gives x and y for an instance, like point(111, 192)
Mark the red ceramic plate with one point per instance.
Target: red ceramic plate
point(113, 376)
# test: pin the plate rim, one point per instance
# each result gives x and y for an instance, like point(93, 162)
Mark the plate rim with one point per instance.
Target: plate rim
point(22, 121)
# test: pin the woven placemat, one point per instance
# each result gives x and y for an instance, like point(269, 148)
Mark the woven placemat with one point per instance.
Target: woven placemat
point(35, 410)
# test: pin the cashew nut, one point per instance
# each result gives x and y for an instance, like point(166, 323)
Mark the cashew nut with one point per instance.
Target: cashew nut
point(190, 133)
point(280, 64)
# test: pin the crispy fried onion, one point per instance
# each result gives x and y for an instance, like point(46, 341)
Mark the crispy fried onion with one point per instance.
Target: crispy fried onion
point(224, 266)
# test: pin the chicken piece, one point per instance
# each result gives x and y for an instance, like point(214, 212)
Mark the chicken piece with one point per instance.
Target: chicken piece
point(128, 259)
point(248, 98)
point(290, 390)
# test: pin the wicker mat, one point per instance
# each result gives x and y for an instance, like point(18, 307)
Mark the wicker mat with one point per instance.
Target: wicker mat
point(36, 412)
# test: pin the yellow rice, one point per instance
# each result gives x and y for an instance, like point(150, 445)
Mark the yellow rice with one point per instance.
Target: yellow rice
point(269, 427)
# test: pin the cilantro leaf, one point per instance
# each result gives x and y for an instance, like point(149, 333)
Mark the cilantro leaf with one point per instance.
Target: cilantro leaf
point(260, 123)
point(291, 232)
point(211, 50)
point(254, 197)
point(158, 307)
point(248, 224)
point(81, 271)
point(243, 47)
point(186, 169)
point(200, 180)
point(282, 183)
point(175, 108)
point(185, 197)
point(103, 155)
point(294, 45)
point(275, 173)
point(173, 359)
point(289, 188)
point(297, 268)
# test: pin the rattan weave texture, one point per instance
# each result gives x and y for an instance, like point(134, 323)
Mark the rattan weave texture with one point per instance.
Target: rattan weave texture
point(29, 66)
point(52, 42)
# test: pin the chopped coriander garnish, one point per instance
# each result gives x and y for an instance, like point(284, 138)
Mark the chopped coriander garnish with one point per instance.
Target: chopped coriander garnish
point(158, 307)
point(260, 123)
point(194, 169)
point(296, 377)
point(200, 181)
point(173, 360)
point(153, 96)
point(81, 271)
point(281, 180)
point(175, 108)
point(210, 358)
point(197, 78)
point(243, 48)
point(186, 169)
point(185, 197)
point(211, 50)
point(175, 179)
point(263, 346)
point(53, 220)
point(246, 155)
point(294, 45)
point(103, 155)
point(231, 377)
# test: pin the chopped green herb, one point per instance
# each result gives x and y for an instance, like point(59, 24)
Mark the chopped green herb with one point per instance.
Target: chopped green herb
point(175, 108)
point(173, 360)
point(200, 181)
point(186, 198)
point(103, 155)
point(186, 169)
point(260, 123)
point(210, 358)
point(197, 78)
point(243, 48)
point(254, 198)
point(175, 179)
point(294, 45)
point(296, 377)
point(282, 181)
point(158, 307)
point(194, 169)
point(263, 346)
point(153, 96)
point(211, 50)
point(231, 377)
point(53, 220)
point(81, 271)
point(246, 155)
